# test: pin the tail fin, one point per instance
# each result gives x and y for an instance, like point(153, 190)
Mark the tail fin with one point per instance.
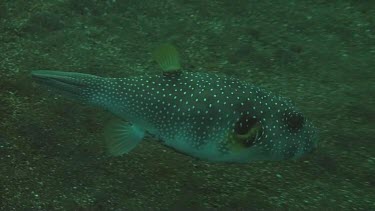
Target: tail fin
point(79, 86)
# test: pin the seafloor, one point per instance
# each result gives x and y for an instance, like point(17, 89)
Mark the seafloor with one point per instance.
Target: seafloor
point(319, 53)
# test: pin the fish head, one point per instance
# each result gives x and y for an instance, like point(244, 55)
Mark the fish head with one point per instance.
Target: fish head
point(280, 132)
point(297, 136)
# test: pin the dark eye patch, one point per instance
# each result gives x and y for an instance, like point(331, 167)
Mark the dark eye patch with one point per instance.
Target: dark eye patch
point(245, 123)
point(294, 121)
point(247, 129)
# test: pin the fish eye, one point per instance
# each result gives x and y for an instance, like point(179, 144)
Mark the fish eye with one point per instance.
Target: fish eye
point(294, 121)
point(248, 130)
point(245, 124)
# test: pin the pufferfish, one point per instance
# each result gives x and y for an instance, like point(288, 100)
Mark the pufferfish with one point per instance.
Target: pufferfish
point(205, 115)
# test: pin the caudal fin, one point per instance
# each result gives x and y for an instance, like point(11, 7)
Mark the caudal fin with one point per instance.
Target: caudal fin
point(79, 86)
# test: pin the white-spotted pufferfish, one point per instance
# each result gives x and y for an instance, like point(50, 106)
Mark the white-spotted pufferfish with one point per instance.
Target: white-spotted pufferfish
point(205, 115)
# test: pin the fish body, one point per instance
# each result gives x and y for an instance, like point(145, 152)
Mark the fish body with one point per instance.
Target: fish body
point(205, 115)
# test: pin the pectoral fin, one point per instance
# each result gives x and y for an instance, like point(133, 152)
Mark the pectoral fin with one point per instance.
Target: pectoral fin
point(121, 137)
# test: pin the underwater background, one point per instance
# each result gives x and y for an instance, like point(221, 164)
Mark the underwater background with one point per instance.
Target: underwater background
point(318, 53)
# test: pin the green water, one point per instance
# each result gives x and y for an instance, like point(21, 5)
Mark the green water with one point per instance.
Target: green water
point(320, 54)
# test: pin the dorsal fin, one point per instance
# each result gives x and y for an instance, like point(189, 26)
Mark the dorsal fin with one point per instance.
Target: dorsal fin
point(167, 57)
